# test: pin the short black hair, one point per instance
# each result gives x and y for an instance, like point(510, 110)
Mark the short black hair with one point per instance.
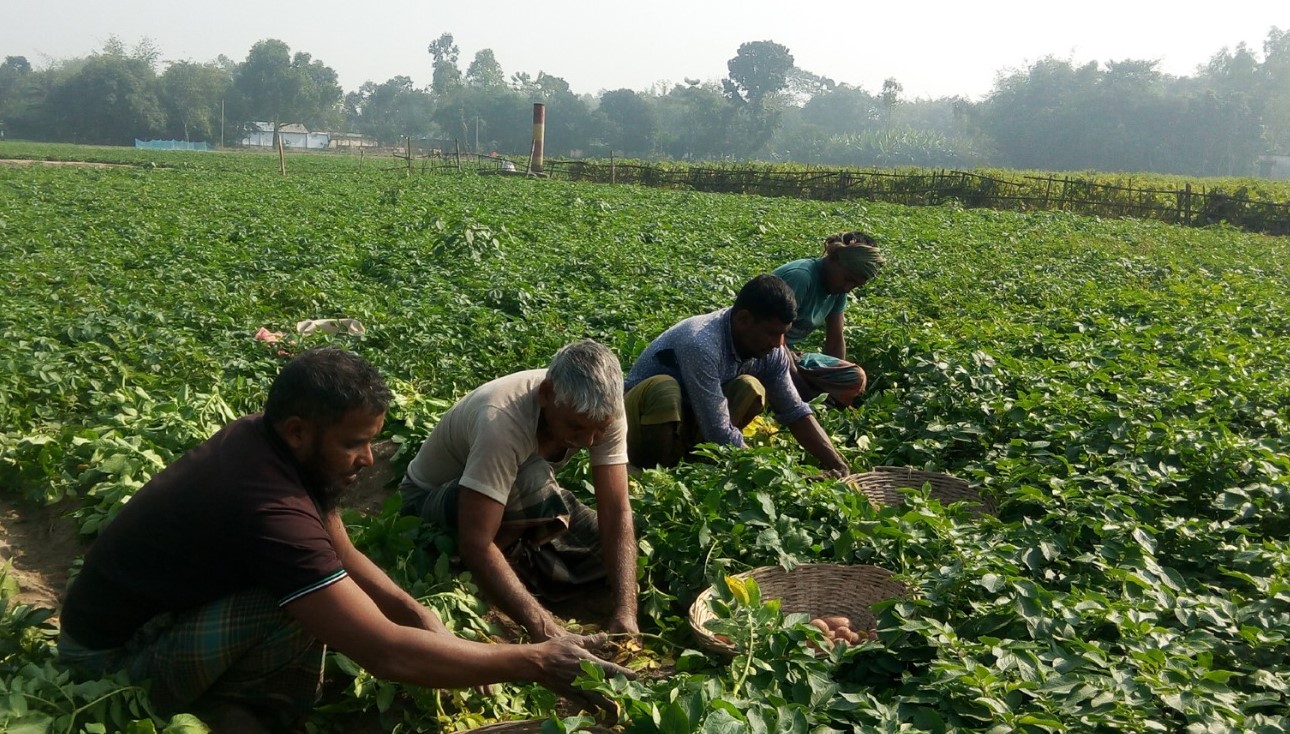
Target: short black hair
point(767, 297)
point(323, 385)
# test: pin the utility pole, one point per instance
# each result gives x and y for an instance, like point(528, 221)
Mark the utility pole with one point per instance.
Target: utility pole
point(221, 123)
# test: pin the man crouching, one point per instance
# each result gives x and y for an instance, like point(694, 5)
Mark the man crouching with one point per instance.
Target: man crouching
point(224, 577)
point(487, 473)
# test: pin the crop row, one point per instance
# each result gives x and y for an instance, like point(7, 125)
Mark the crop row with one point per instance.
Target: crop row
point(1119, 386)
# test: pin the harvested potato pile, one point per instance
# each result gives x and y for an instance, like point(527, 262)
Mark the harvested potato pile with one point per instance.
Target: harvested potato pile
point(840, 629)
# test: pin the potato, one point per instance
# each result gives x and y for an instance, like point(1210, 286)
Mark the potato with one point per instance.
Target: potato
point(829, 640)
point(844, 634)
point(835, 622)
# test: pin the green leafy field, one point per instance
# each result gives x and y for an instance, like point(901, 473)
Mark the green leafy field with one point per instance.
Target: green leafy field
point(1119, 387)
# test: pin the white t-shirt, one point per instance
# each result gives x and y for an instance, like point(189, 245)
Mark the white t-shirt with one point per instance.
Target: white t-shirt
point(482, 440)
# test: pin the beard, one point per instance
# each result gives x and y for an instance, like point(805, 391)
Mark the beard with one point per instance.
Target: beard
point(327, 496)
point(326, 491)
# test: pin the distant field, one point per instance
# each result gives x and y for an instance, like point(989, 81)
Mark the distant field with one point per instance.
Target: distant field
point(1258, 189)
point(1120, 388)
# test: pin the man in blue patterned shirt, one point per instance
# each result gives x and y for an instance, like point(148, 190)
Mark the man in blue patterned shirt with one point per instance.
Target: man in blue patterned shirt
point(708, 376)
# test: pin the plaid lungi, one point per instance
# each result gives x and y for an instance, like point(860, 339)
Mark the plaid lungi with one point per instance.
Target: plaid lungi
point(814, 374)
point(658, 399)
point(241, 649)
point(560, 535)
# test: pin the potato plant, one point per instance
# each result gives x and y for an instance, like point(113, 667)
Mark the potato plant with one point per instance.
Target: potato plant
point(1118, 387)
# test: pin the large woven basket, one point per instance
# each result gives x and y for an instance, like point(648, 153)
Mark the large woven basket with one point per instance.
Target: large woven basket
point(528, 727)
point(882, 487)
point(817, 589)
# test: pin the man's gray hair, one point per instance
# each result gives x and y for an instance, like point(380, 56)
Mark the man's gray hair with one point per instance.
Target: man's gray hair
point(586, 376)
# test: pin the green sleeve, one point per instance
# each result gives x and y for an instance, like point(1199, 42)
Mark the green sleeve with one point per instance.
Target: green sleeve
point(799, 279)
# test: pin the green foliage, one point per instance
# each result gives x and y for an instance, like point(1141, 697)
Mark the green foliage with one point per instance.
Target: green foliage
point(272, 85)
point(890, 149)
point(39, 697)
point(192, 95)
point(1118, 387)
point(389, 112)
point(1129, 116)
point(1123, 115)
point(632, 122)
point(111, 98)
point(759, 70)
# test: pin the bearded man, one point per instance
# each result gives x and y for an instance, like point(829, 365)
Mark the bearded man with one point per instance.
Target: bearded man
point(226, 575)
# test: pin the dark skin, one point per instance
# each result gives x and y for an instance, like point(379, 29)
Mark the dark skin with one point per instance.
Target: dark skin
point(481, 539)
point(373, 621)
point(837, 280)
point(811, 436)
point(752, 338)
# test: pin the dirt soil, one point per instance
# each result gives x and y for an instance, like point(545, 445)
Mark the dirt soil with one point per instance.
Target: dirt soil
point(41, 545)
point(82, 164)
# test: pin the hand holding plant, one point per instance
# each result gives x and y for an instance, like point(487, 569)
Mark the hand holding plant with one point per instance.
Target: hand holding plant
point(561, 662)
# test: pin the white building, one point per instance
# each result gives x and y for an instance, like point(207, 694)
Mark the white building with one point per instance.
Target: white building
point(1275, 166)
point(352, 141)
point(293, 136)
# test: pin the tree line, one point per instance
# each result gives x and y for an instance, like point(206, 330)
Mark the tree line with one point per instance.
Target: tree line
point(1054, 115)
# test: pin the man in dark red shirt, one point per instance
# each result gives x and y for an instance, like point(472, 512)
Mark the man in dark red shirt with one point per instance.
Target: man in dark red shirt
point(223, 578)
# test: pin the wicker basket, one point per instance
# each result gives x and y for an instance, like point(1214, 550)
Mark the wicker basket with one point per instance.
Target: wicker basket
point(528, 727)
point(882, 487)
point(817, 589)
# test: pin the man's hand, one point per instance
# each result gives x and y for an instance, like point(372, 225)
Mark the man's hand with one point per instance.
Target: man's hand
point(623, 624)
point(549, 629)
point(562, 662)
point(812, 437)
point(430, 621)
point(479, 519)
point(618, 543)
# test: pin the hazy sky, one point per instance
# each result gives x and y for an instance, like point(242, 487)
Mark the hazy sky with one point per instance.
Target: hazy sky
point(933, 47)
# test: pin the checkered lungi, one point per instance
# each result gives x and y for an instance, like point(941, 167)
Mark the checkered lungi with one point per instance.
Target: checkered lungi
point(560, 536)
point(814, 374)
point(659, 399)
point(241, 649)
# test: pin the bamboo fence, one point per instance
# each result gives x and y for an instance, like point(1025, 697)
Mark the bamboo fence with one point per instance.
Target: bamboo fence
point(1184, 206)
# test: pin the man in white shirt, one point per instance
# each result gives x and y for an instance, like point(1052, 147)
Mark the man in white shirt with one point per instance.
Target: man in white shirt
point(487, 472)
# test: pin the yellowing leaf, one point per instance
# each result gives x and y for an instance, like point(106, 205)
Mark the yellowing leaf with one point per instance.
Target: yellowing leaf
point(738, 588)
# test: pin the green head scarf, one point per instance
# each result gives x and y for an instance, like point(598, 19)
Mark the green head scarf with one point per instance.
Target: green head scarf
point(862, 260)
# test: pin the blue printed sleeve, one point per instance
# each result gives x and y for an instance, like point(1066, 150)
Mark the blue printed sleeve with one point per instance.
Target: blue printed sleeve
point(702, 382)
point(780, 392)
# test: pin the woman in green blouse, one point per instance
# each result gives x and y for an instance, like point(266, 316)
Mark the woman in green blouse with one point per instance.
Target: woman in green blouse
point(821, 285)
